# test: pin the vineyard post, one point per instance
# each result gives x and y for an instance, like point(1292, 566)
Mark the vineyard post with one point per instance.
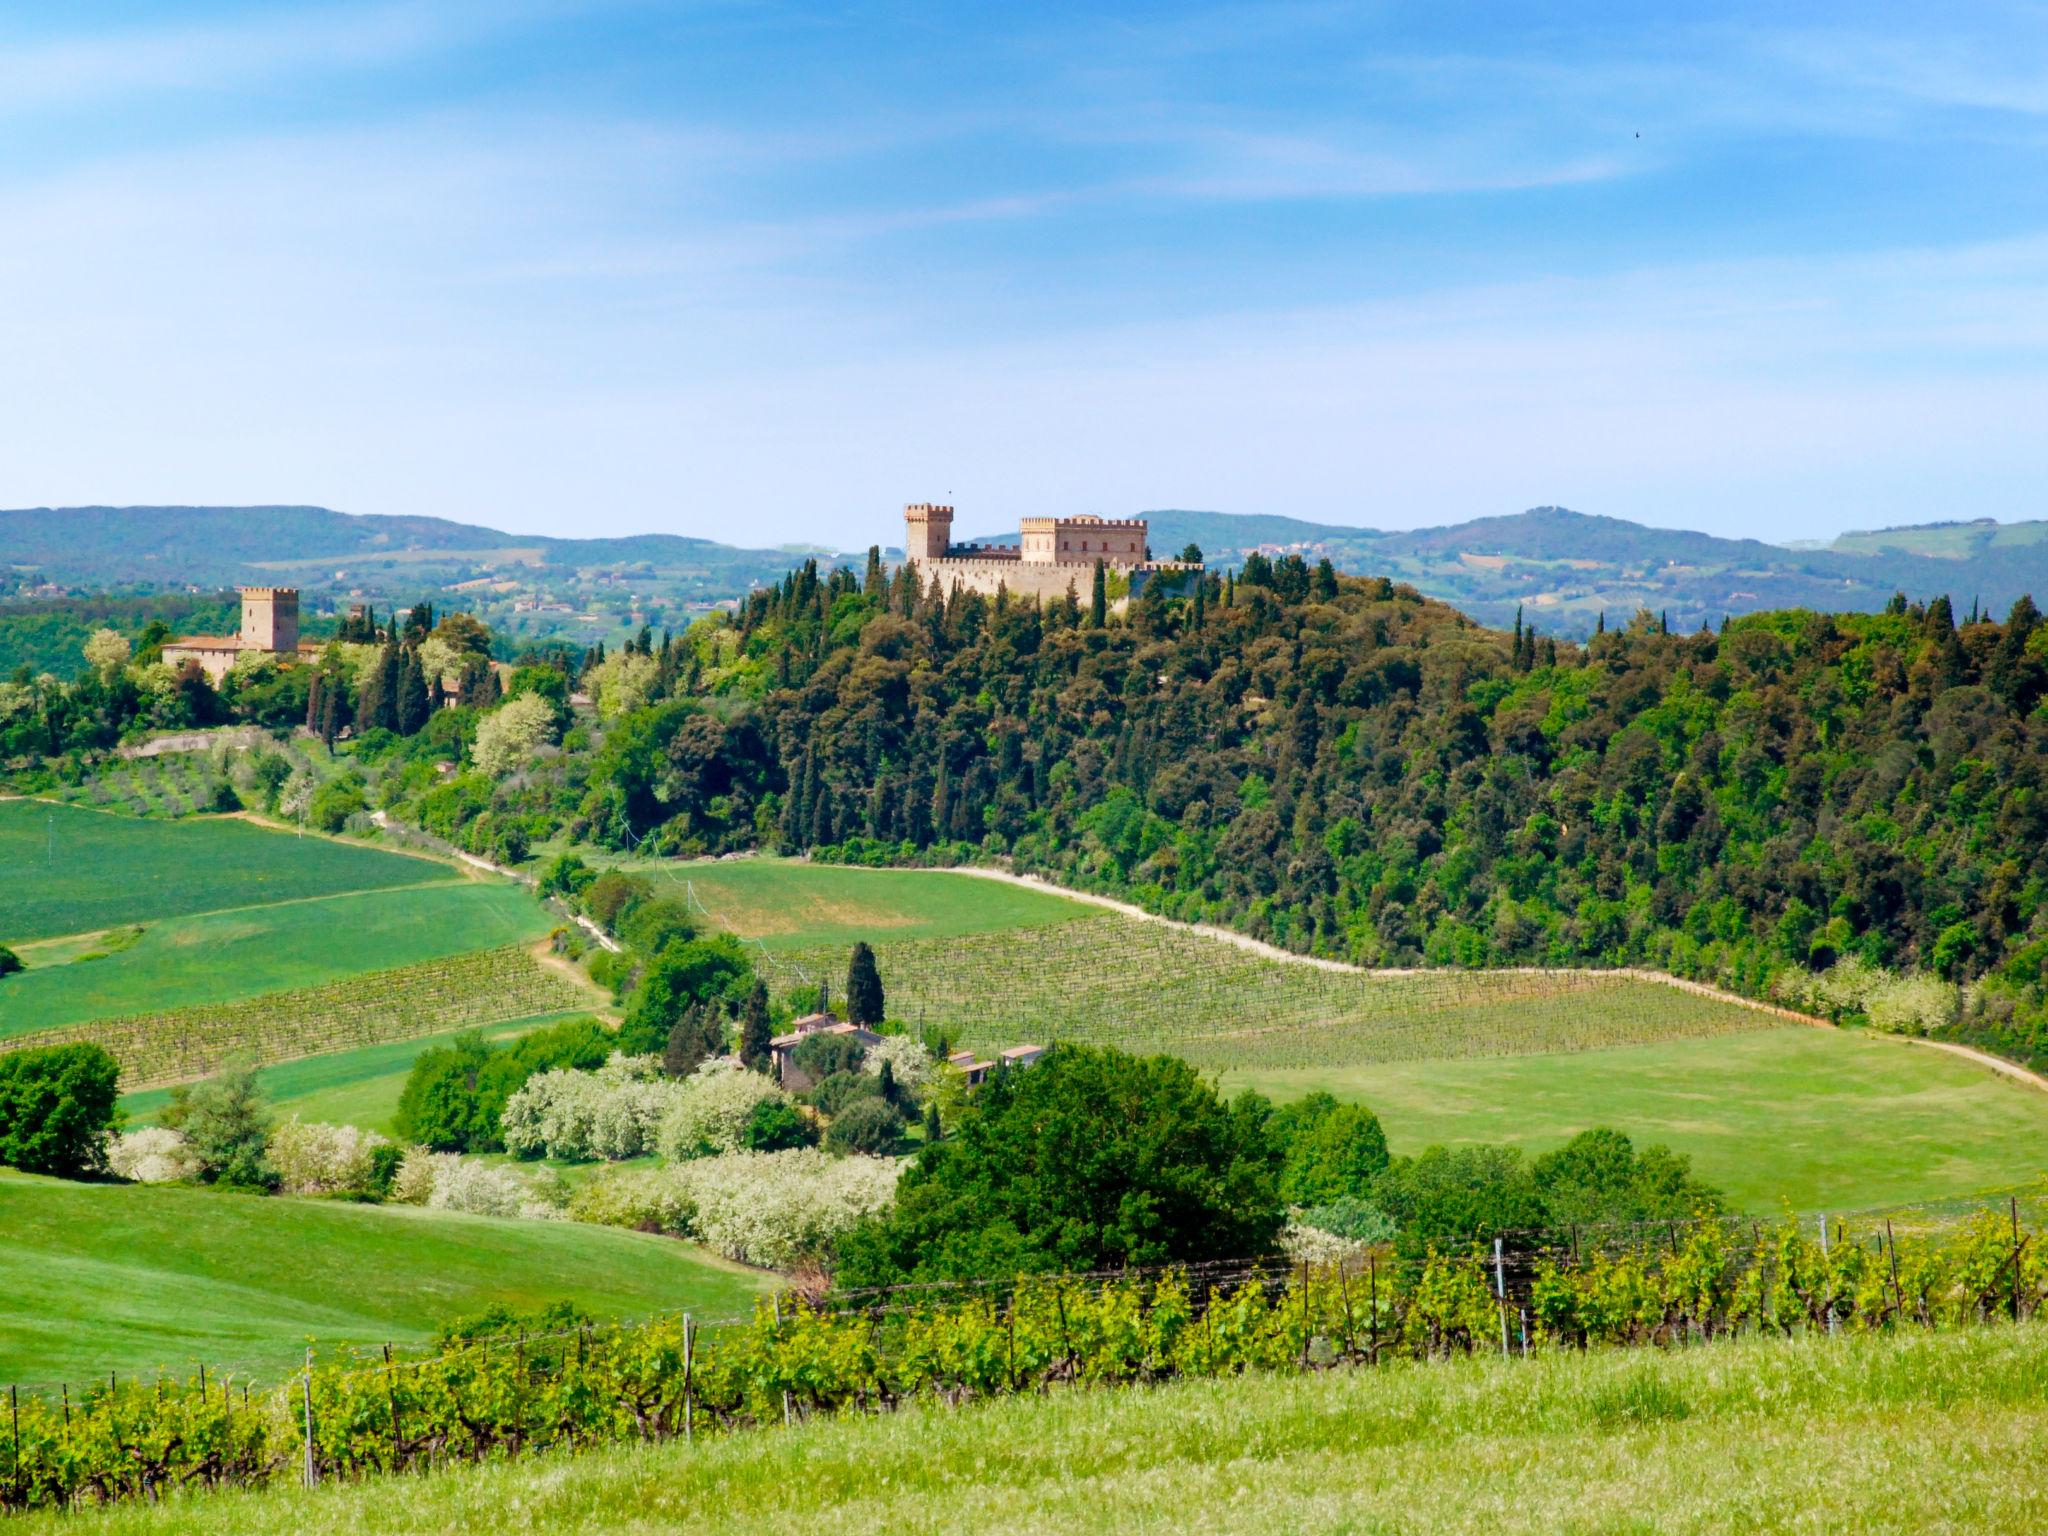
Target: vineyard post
point(1372, 1273)
point(391, 1395)
point(1010, 1312)
point(14, 1408)
point(776, 1303)
point(67, 1404)
point(1059, 1296)
point(1525, 1331)
point(1827, 1278)
point(1892, 1243)
point(2016, 1246)
point(1304, 1313)
point(1344, 1290)
point(1500, 1293)
point(689, 1400)
point(306, 1395)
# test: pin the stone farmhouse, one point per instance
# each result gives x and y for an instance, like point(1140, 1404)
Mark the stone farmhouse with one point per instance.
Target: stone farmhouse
point(1053, 556)
point(783, 1047)
point(270, 626)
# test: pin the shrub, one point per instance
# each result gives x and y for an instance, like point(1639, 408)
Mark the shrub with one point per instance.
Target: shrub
point(333, 803)
point(655, 921)
point(713, 1110)
point(780, 1209)
point(1354, 1219)
point(609, 896)
point(455, 1095)
point(316, 1159)
point(842, 1089)
point(822, 1056)
point(1332, 1151)
point(644, 1199)
point(152, 1155)
point(683, 974)
point(443, 1181)
point(1913, 1005)
point(10, 962)
point(869, 1127)
point(611, 1114)
point(413, 1183)
point(776, 1125)
point(56, 1106)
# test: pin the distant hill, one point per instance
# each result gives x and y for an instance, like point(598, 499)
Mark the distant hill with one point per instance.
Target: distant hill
point(1563, 569)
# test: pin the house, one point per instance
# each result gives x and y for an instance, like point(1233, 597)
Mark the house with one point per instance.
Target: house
point(977, 1071)
point(783, 1047)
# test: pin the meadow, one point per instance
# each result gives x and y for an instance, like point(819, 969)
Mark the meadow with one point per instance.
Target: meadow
point(1771, 1112)
point(1852, 1434)
point(140, 1279)
point(68, 870)
point(223, 957)
point(793, 904)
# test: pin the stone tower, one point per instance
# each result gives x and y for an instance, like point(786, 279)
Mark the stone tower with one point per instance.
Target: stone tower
point(270, 619)
point(927, 531)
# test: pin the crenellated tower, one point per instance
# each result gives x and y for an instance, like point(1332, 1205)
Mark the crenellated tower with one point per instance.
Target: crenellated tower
point(927, 531)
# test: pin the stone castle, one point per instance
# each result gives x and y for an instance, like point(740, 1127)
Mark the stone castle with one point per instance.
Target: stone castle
point(1053, 555)
point(270, 626)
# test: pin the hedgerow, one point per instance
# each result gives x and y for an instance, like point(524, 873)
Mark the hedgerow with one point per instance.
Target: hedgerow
point(867, 1352)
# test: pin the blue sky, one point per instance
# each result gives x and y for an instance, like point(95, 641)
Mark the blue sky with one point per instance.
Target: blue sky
point(764, 272)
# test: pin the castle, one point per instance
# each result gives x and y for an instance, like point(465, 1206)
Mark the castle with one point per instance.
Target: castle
point(270, 625)
point(1053, 556)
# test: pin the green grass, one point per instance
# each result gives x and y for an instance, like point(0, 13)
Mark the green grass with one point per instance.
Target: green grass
point(134, 1279)
point(1913, 1434)
point(787, 903)
point(358, 1087)
point(223, 957)
point(1826, 1119)
point(68, 870)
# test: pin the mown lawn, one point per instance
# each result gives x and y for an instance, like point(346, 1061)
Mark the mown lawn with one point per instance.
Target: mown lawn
point(1912, 1434)
point(222, 957)
point(786, 903)
point(70, 870)
point(1824, 1119)
point(137, 1279)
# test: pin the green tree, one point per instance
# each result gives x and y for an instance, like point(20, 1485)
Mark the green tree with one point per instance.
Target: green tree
point(755, 1029)
point(56, 1105)
point(1098, 599)
point(1459, 1195)
point(226, 1127)
point(1332, 1151)
point(864, 1001)
point(10, 962)
point(1598, 1176)
point(867, 1126)
point(1091, 1159)
point(696, 1036)
point(776, 1125)
point(684, 972)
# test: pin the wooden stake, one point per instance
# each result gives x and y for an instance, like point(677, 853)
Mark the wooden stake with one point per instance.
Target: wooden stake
point(689, 1362)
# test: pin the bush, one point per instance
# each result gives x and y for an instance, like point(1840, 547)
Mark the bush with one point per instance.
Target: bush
point(316, 1159)
point(907, 1058)
point(842, 1089)
point(822, 1056)
point(644, 1199)
point(869, 1127)
point(334, 802)
point(10, 962)
point(610, 1114)
point(776, 1125)
point(152, 1155)
point(781, 1209)
point(1354, 1219)
point(1332, 1151)
point(56, 1106)
point(455, 1095)
point(713, 1110)
point(683, 974)
point(445, 1182)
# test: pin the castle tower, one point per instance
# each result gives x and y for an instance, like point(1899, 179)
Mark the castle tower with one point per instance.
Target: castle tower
point(927, 531)
point(270, 619)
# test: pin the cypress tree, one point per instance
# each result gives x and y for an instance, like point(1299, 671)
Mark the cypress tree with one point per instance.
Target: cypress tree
point(873, 586)
point(755, 1030)
point(864, 1001)
point(1098, 599)
point(409, 704)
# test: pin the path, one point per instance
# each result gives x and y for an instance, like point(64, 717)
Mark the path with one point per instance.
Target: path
point(449, 850)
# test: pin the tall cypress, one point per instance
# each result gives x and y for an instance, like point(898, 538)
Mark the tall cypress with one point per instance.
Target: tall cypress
point(864, 1001)
point(755, 1030)
point(1098, 599)
point(409, 704)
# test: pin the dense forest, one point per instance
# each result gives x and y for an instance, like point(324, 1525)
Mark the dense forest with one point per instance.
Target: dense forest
point(1844, 810)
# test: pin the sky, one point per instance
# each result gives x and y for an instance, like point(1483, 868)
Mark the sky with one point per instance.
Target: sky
point(765, 272)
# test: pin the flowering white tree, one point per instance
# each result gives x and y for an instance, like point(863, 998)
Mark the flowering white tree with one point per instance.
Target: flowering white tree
point(623, 682)
point(509, 735)
point(611, 1113)
point(779, 1209)
point(153, 1155)
point(712, 1112)
point(315, 1159)
point(912, 1063)
point(107, 652)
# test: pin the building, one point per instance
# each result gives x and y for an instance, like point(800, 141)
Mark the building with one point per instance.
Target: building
point(1052, 557)
point(976, 1071)
point(270, 627)
point(783, 1047)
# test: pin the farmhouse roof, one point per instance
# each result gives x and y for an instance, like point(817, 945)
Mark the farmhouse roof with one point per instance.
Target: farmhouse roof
point(821, 1024)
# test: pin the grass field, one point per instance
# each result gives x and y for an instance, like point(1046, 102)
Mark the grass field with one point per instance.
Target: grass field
point(68, 870)
point(1825, 1119)
point(131, 1278)
point(1914, 1434)
point(358, 1087)
point(221, 957)
point(787, 903)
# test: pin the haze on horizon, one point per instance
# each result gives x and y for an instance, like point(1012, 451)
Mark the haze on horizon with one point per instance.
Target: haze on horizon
point(764, 272)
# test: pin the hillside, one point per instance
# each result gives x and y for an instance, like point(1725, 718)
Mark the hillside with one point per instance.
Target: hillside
point(144, 1278)
point(1914, 1434)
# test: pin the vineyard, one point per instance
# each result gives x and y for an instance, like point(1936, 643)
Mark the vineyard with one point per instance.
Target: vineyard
point(482, 987)
point(67, 870)
point(867, 1354)
point(1117, 980)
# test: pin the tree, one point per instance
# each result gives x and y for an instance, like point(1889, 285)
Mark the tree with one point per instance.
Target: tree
point(1091, 1159)
point(867, 1126)
point(683, 973)
point(698, 1034)
point(776, 1125)
point(10, 962)
point(1332, 1151)
point(509, 735)
point(106, 652)
point(755, 1029)
point(410, 704)
point(56, 1105)
point(225, 1126)
point(1461, 1194)
point(864, 1002)
point(823, 1056)
point(1098, 599)
point(1598, 1176)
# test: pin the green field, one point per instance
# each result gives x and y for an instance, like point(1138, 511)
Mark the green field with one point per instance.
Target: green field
point(222, 957)
point(787, 903)
point(1826, 1119)
point(1870, 1433)
point(358, 1087)
point(136, 1279)
point(68, 870)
